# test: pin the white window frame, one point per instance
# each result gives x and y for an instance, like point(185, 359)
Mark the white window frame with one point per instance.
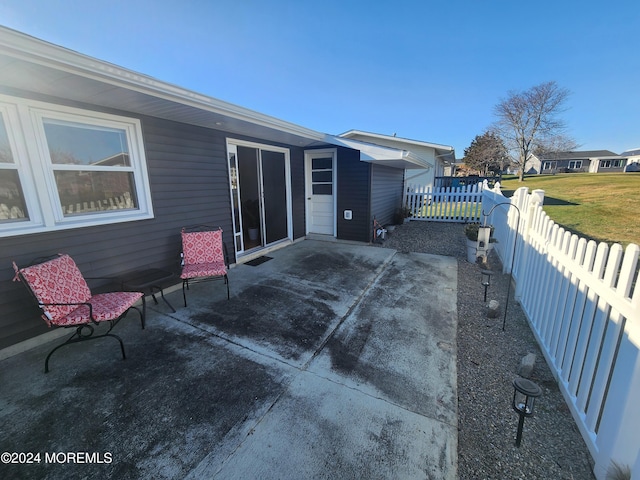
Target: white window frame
point(9, 114)
point(24, 120)
point(577, 164)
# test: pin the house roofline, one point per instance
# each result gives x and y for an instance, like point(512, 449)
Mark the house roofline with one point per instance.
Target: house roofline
point(371, 152)
point(23, 47)
point(29, 48)
point(351, 133)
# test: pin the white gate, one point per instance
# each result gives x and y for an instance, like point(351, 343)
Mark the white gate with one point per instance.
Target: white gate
point(445, 204)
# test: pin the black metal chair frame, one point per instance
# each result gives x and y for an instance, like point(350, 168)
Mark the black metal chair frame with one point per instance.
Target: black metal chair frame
point(79, 335)
point(187, 281)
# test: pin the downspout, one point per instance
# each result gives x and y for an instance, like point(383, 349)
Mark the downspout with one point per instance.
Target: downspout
point(370, 201)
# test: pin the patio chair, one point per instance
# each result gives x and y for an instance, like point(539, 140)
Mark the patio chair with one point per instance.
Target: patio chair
point(63, 296)
point(204, 257)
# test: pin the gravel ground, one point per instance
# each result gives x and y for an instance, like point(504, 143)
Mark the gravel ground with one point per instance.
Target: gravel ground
point(488, 362)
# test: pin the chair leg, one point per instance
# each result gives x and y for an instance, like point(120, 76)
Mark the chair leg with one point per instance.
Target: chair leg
point(78, 336)
point(185, 284)
point(143, 313)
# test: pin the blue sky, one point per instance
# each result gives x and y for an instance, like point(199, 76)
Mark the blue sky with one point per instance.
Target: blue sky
point(427, 70)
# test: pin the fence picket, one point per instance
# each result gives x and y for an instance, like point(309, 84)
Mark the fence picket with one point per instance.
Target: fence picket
point(580, 299)
point(577, 311)
point(586, 321)
point(582, 303)
point(445, 204)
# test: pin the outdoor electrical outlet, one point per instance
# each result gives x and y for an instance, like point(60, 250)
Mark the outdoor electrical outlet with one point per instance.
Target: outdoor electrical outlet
point(347, 215)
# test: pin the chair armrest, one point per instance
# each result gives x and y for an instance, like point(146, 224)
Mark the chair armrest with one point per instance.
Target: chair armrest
point(79, 304)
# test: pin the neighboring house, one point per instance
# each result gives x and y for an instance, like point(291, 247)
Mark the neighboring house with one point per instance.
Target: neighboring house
point(594, 161)
point(108, 164)
point(633, 160)
point(438, 158)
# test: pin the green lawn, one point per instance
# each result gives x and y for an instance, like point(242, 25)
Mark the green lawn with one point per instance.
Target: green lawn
point(603, 207)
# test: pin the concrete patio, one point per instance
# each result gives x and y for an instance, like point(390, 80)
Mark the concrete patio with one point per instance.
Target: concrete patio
point(331, 360)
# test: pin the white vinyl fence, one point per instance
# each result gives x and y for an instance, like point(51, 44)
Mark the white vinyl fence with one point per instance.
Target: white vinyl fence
point(582, 303)
point(445, 204)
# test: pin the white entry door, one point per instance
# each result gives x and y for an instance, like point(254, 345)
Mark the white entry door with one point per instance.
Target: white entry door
point(320, 167)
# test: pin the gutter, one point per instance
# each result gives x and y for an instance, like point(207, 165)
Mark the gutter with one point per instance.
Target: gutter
point(25, 47)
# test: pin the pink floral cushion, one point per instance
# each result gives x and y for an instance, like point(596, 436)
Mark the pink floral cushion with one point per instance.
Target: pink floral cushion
point(60, 281)
point(105, 306)
point(57, 281)
point(212, 269)
point(202, 247)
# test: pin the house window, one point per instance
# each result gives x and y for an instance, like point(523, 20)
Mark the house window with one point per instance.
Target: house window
point(575, 164)
point(605, 163)
point(69, 168)
point(546, 166)
point(12, 200)
point(91, 167)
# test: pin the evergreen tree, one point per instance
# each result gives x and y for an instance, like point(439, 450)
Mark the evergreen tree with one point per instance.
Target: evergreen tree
point(487, 154)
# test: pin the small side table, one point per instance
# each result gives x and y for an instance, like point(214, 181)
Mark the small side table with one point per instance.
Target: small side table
point(149, 280)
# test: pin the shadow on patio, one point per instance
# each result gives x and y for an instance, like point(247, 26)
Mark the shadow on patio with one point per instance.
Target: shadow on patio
point(329, 361)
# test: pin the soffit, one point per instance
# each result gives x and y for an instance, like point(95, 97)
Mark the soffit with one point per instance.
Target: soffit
point(96, 83)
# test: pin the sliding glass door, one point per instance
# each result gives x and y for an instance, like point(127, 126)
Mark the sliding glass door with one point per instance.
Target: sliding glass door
point(260, 188)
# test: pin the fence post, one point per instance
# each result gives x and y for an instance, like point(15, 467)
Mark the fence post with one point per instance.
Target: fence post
point(534, 203)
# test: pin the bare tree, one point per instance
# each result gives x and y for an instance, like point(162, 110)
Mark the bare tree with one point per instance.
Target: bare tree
point(558, 143)
point(530, 120)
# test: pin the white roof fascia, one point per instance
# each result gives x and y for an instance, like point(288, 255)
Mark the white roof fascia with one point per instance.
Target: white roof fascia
point(31, 49)
point(372, 153)
point(352, 133)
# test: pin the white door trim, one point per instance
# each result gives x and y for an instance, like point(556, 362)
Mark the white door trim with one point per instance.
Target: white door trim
point(308, 156)
point(232, 145)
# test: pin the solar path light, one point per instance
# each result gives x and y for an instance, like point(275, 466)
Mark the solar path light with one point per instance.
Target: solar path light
point(525, 393)
point(486, 282)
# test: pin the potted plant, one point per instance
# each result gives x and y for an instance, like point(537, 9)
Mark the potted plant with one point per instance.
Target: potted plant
point(402, 215)
point(251, 218)
point(471, 232)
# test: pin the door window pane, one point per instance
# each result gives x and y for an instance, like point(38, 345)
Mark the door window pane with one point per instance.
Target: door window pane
point(322, 163)
point(325, 177)
point(322, 189)
point(275, 195)
point(322, 176)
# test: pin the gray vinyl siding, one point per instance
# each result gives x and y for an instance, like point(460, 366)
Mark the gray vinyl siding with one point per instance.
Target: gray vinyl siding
point(354, 193)
point(297, 192)
point(188, 175)
point(386, 192)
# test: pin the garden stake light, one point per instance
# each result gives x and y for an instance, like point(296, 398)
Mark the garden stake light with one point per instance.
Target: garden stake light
point(524, 394)
point(513, 256)
point(486, 282)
